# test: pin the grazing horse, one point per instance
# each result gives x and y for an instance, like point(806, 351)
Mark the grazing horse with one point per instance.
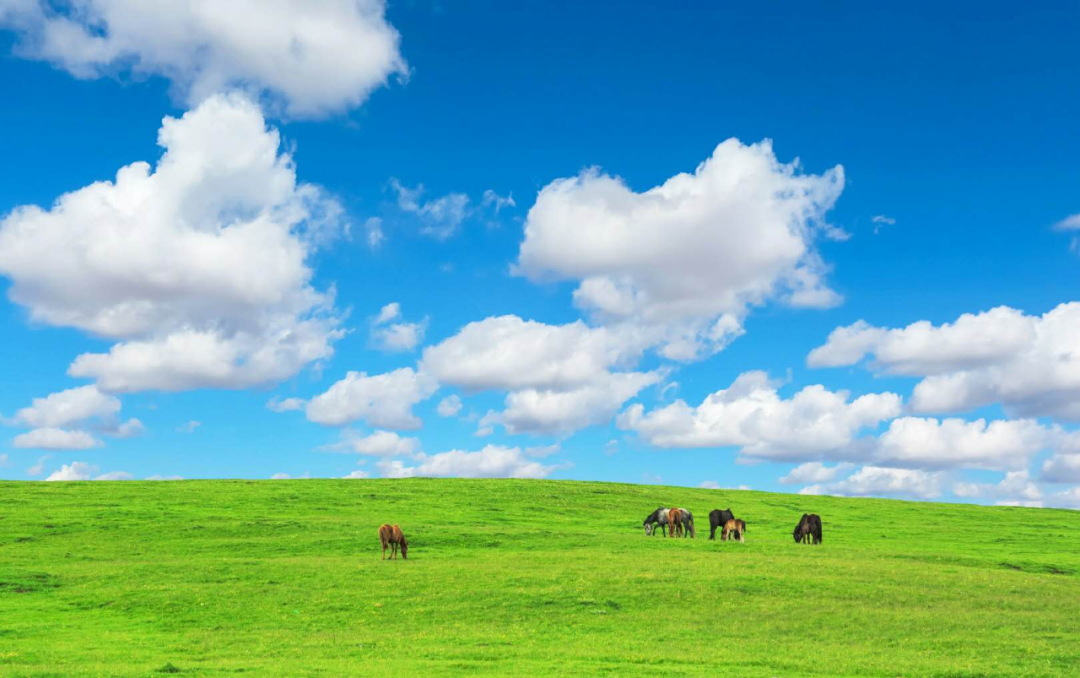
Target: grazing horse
point(675, 522)
point(808, 530)
point(718, 518)
point(660, 517)
point(734, 530)
point(392, 537)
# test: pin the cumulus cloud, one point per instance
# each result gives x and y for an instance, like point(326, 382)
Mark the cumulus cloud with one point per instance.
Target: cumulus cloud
point(879, 481)
point(449, 406)
point(509, 353)
point(692, 255)
point(379, 444)
point(494, 461)
point(562, 412)
point(80, 470)
point(396, 336)
point(814, 472)
point(560, 377)
point(198, 266)
point(309, 58)
point(382, 400)
point(55, 439)
point(1029, 364)
point(1015, 489)
point(930, 443)
point(815, 423)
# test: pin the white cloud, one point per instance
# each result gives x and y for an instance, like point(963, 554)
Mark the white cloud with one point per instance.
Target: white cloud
point(1069, 498)
point(449, 406)
point(441, 217)
point(197, 267)
point(379, 443)
point(357, 475)
point(280, 476)
point(80, 470)
point(493, 199)
point(55, 439)
point(76, 470)
point(881, 221)
point(1029, 364)
point(39, 466)
point(310, 58)
point(692, 255)
point(879, 481)
point(390, 336)
point(1015, 489)
point(1071, 223)
point(188, 427)
point(286, 405)
point(494, 461)
point(68, 407)
point(815, 423)
point(373, 227)
point(542, 451)
point(563, 412)
point(814, 472)
point(160, 477)
point(929, 443)
point(382, 400)
point(508, 353)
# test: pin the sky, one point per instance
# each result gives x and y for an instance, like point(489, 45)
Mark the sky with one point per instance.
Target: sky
point(828, 250)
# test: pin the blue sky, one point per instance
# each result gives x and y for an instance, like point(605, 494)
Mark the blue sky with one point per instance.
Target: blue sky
point(954, 128)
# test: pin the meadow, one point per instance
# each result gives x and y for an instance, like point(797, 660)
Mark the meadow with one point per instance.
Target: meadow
point(520, 577)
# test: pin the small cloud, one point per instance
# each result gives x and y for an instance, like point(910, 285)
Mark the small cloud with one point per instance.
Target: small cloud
point(651, 477)
point(129, 429)
point(542, 451)
point(440, 217)
point(880, 221)
point(709, 485)
point(115, 475)
point(161, 477)
point(286, 405)
point(80, 470)
point(189, 427)
point(611, 447)
point(4, 461)
point(55, 439)
point(449, 406)
point(39, 467)
point(373, 227)
point(493, 198)
point(280, 476)
point(401, 336)
point(1068, 224)
point(357, 475)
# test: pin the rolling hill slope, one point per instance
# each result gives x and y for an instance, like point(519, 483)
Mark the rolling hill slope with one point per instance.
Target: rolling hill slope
point(509, 577)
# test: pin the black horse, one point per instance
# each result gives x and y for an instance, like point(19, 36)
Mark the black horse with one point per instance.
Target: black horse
point(718, 518)
point(808, 529)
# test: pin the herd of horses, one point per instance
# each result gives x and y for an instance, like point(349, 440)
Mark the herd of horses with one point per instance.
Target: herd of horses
point(679, 522)
point(673, 522)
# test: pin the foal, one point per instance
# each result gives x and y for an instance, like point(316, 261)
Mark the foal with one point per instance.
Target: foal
point(392, 537)
point(734, 529)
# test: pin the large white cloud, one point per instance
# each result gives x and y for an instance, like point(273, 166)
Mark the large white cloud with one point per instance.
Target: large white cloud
point(198, 266)
point(561, 377)
point(493, 461)
point(815, 423)
point(562, 412)
point(929, 443)
point(880, 481)
point(310, 57)
point(508, 353)
point(1029, 364)
point(692, 254)
point(382, 400)
point(68, 407)
point(55, 439)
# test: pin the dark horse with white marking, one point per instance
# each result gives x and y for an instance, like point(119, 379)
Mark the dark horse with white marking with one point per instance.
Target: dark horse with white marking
point(657, 517)
point(718, 518)
point(809, 528)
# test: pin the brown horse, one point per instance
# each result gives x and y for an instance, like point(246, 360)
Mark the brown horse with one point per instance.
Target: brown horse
point(675, 522)
point(734, 530)
point(391, 536)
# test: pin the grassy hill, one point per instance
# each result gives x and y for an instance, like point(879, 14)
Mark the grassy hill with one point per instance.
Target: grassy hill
point(510, 577)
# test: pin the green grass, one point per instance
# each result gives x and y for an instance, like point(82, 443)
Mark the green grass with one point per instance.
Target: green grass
point(514, 577)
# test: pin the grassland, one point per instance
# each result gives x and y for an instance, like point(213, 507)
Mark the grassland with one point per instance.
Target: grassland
point(513, 577)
